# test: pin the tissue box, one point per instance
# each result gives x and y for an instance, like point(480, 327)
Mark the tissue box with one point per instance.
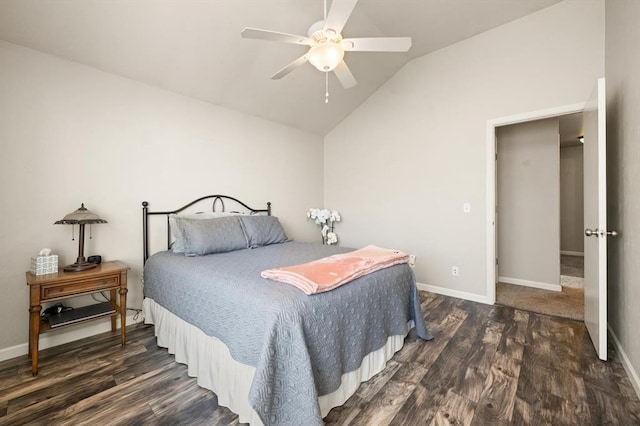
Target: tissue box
point(41, 265)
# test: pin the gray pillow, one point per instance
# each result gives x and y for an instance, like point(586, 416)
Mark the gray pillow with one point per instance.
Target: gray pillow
point(215, 235)
point(177, 240)
point(262, 230)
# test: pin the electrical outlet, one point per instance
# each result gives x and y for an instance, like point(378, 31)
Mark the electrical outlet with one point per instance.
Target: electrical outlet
point(412, 260)
point(455, 271)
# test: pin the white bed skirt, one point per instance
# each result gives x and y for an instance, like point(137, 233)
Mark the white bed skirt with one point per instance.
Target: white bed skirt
point(209, 360)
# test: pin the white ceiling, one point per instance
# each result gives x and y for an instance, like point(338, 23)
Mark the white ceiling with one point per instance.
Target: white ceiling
point(193, 47)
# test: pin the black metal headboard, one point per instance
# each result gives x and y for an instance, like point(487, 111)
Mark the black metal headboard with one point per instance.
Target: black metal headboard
point(217, 200)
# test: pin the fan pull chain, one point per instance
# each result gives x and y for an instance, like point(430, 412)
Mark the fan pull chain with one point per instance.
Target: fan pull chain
point(91, 231)
point(326, 84)
point(73, 238)
point(325, 10)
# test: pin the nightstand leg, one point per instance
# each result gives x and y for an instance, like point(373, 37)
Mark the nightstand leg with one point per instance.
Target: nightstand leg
point(123, 316)
point(113, 318)
point(34, 333)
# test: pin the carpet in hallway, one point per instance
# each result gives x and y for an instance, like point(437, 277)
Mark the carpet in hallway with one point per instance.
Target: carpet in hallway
point(569, 303)
point(571, 271)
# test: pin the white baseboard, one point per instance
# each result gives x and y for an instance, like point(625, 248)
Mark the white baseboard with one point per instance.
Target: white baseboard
point(453, 293)
point(66, 335)
point(527, 283)
point(626, 363)
point(572, 253)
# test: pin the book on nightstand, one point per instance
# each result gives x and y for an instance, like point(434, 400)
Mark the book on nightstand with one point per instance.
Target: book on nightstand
point(79, 314)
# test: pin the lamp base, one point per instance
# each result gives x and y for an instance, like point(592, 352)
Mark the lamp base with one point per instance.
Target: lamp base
point(77, 267)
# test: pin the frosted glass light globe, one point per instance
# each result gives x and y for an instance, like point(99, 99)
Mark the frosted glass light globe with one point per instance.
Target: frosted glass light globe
point(326, 56)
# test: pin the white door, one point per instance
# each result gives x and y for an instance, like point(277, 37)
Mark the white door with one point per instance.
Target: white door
point(595, 219)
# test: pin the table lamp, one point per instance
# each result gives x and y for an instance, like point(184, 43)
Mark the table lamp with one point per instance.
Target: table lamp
point(80, 217)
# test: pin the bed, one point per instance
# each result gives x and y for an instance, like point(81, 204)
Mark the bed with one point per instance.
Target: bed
point(271, 353)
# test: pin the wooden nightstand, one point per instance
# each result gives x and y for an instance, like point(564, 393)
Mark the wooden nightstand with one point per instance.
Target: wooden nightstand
point(110, 276)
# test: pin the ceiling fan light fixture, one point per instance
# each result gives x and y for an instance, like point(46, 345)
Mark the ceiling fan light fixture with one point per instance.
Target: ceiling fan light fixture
point(326, 56)
point(326, 45)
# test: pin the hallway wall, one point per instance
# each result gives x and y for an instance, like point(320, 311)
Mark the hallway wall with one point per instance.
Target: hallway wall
point(571, 200)
point(528, 197)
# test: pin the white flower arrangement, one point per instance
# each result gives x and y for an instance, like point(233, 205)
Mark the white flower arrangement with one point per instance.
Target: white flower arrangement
point(325, 219)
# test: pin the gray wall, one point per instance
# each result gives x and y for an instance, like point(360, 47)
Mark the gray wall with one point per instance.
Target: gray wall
point(70, 134)
point(623, 165)
point(571, 200)
point(401, 166)
point(528, 198)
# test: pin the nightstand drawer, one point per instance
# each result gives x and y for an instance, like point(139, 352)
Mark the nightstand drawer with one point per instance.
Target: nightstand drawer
point(71, 288)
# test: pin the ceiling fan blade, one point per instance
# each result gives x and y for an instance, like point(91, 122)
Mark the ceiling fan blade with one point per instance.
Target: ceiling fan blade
point(292, 66)
point(376, 44)
point(344, 75)
point(338, 14)
point(275, 36)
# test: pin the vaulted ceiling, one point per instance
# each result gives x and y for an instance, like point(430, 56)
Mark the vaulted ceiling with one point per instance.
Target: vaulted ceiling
point(193, 47)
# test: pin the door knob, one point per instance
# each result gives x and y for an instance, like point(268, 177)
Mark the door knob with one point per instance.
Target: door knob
point(612, 234)
point(591, 232)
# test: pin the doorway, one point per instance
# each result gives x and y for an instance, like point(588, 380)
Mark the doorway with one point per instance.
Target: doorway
point(595, 207)
point(491, 260)
point(572, 201)
point(540, 216)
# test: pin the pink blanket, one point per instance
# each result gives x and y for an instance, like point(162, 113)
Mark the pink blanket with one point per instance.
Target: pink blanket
point(333, 271)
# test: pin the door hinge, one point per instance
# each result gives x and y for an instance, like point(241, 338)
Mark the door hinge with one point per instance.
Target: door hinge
point(496, 261)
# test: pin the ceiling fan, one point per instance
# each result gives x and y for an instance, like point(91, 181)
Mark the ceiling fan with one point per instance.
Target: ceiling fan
point(326, 45)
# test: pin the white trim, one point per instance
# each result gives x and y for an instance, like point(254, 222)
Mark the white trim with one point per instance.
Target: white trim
point(491, 212)
point(491, 179)
point(602, 219)
point(13, 351)
point(626, 363)
point(572, 253)
point(453, 293)
point(527, 283)
point(63, 336)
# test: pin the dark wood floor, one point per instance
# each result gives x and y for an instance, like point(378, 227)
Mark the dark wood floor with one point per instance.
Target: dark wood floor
point(488, 365)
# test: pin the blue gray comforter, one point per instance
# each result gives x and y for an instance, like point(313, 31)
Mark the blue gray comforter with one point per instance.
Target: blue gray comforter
point(300, 345)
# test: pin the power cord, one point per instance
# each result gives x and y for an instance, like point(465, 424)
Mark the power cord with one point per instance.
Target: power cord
point(136, 316)
point(56, 309)
point(106, 299)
